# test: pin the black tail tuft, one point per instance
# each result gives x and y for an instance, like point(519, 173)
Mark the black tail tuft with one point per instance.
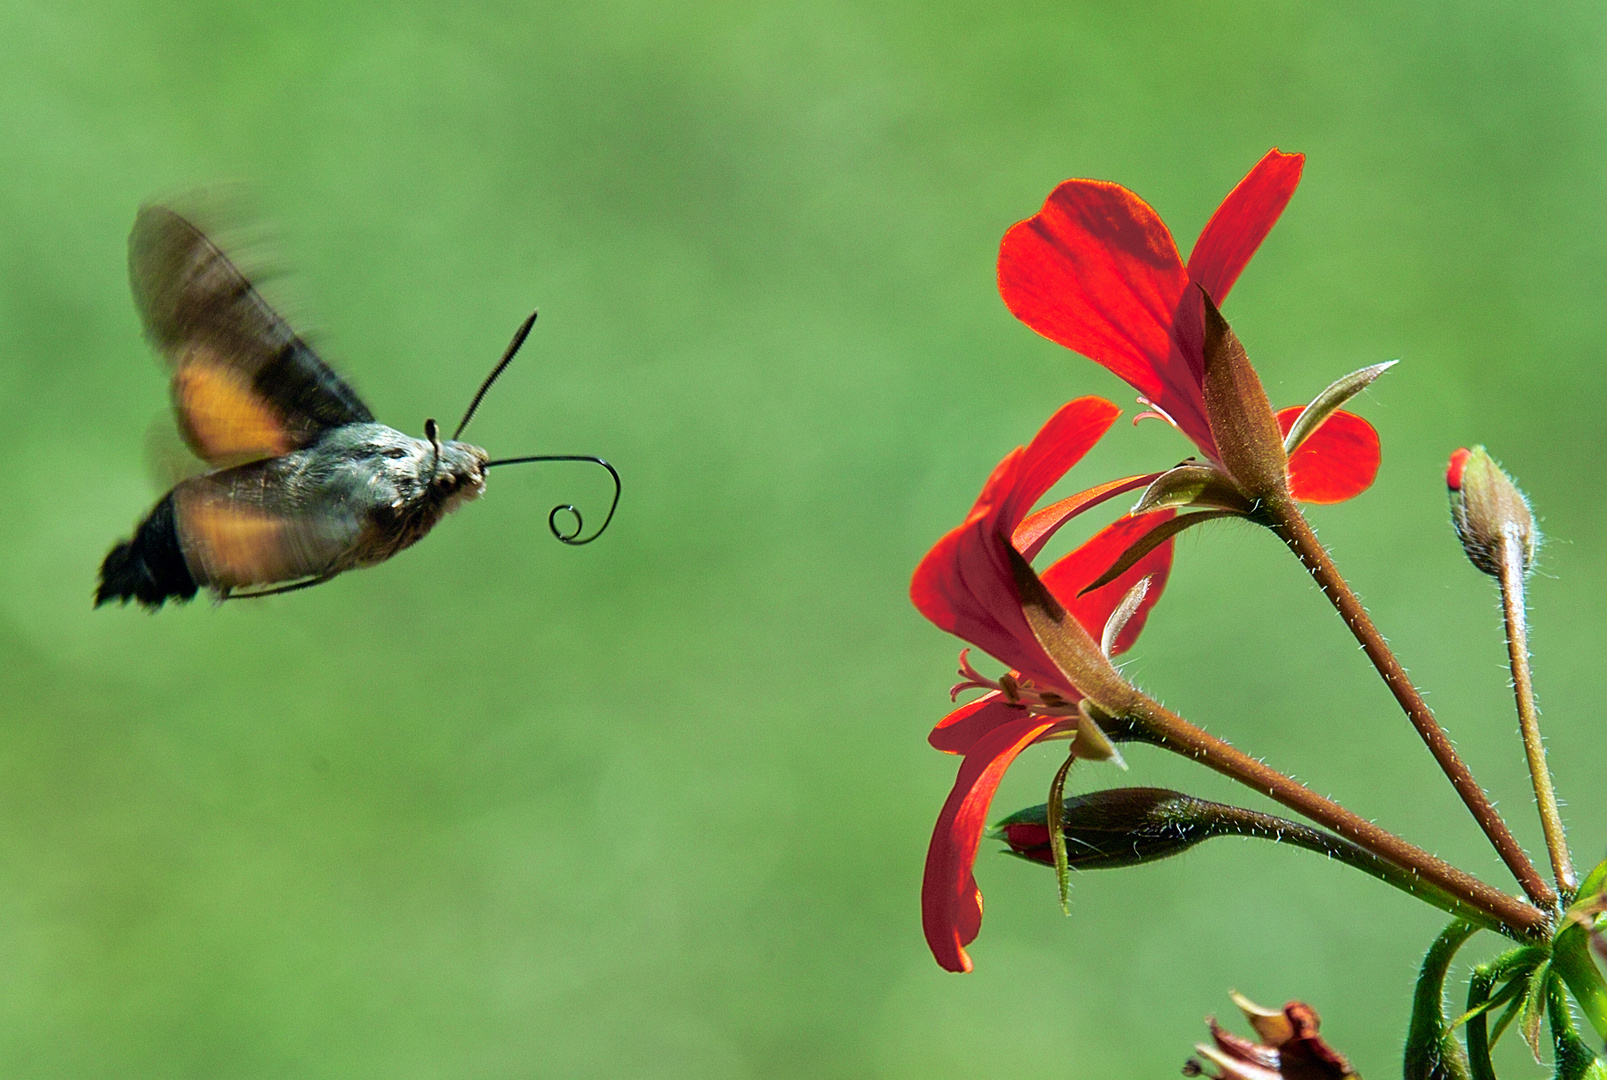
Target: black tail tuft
point(150, 567)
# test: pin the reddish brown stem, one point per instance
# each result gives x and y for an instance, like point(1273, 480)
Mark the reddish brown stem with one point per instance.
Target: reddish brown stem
point(1291, 525)
point(1177, 734)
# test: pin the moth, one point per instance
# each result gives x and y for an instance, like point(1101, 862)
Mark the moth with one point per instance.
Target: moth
point(305, 483)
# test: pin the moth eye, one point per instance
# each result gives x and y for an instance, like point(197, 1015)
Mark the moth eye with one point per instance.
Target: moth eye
point(395, 452)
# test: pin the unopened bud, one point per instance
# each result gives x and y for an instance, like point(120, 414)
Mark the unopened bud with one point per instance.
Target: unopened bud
point(1112, 828)
point(1489, 511)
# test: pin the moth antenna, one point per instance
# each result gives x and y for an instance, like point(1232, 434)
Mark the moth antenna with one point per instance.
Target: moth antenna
point(433, 433)
point(570, 538)
point(507, 358)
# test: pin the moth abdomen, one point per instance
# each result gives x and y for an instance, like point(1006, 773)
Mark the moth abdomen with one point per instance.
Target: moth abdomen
point(150, 566)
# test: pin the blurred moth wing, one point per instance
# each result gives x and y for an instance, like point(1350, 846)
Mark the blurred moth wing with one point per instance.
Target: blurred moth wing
point(245, 526)
point(245, 385)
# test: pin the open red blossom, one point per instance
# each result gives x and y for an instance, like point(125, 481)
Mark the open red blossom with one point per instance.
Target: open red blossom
point(1096, 270)
point(966, 586)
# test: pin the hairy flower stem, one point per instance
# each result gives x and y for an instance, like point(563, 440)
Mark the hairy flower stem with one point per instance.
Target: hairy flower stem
point(1291, 525)
point(1165, 728)
point(1512, 606)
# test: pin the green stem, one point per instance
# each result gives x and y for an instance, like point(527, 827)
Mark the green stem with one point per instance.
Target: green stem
point(1240, 821)
point(1432, 1052)
point(1484, 979)
point(1291, 525)
point(1545, 796)
point(1575, 1060)
point(1106, 830)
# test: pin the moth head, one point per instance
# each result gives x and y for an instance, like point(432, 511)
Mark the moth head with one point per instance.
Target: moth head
point(457, 469)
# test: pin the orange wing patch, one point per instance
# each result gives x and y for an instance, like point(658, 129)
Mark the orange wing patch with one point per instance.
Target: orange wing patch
point(232, 546)
point(221, 416)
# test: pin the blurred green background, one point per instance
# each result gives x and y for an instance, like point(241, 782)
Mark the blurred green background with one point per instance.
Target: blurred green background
point(658, 807)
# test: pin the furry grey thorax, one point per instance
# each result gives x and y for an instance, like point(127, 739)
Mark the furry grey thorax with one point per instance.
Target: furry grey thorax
point(391, 481)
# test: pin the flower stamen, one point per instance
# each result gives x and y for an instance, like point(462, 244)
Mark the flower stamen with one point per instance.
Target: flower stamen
point(1153, 411)
point(1017, 692)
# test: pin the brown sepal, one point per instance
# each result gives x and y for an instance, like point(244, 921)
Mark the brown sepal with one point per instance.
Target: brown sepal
point(1068, 644)
point(1246, 429)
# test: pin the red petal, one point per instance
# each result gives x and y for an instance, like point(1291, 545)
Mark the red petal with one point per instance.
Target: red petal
point(1096, 271)
point(1032, 534)
point(965, 584)
point(1030, 841)
point(1338, 461)
point(951, 903)
point(1453, 471)
point(1070, 575)
point(1242, 222)
point(957, 732)
point(1068, 435)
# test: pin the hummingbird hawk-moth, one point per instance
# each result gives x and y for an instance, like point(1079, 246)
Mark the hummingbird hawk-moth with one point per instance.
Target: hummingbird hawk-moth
point(305, 483)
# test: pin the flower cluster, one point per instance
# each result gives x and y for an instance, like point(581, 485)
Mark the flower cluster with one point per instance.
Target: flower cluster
point(1097, 271)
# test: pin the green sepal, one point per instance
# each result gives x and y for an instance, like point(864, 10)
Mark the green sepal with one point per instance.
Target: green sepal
point(1192, 485)
point(1249, 443)
point(1570, 958)
point(1534, 1010)
point(1504, 996)
point(1328, 402)
point(1519, 988)
point(1057, 835)
point(1432, 1052)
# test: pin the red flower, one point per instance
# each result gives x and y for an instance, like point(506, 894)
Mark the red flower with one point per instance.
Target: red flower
point(966, 585)
point(1097, 271)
